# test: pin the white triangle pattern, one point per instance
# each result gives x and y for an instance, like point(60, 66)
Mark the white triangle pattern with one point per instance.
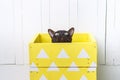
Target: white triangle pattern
point(92, 67)
point(73, 64)
point(53, 67)
point(43, 77)
point(33, 67)
point(83, 54)
point(73, 67)
point(93, 64)
point(63, 54)
point(42, 54)
point(63, 78)
point(83, 78)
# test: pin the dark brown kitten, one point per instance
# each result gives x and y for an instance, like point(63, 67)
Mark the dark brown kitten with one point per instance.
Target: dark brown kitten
point(61, 35)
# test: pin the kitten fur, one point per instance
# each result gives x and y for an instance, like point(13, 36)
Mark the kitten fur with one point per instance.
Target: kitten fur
point(61, 35)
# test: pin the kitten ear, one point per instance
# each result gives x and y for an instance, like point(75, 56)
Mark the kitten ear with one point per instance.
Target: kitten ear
point(51, 32)
point(71, 31)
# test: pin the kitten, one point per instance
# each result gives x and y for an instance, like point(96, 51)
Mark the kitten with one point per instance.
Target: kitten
point(61, 35)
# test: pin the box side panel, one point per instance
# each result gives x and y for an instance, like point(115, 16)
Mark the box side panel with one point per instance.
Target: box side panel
point(63, 74)
point(77, 37)
point(45, 38)
point(64, 55)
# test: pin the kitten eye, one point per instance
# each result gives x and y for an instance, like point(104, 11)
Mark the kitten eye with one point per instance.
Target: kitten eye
point(56, 34)
point(66, 33)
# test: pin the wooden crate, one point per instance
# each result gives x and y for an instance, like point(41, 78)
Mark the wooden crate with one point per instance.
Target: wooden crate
point(63, 61)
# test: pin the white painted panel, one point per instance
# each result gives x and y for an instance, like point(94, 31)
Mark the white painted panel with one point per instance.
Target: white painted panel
point(73, 14)
point(45, 15)
point(59, 14)
point(7, 54)
point(101, 31)
point(18, 29)
point(87, 15)
point(110, 24)
point(31, 23)
point(116, 32)
point(113, 27)
point(91, 19)
point(106, 72)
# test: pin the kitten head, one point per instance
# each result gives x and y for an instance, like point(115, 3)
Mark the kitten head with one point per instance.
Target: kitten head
point(61, 35)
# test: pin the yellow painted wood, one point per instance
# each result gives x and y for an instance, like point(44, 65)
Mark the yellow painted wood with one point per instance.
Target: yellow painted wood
point(63, 61)
point(81, 74)
point(81, 43)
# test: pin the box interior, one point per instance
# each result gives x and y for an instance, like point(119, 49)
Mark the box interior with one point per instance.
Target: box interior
point(77, 37)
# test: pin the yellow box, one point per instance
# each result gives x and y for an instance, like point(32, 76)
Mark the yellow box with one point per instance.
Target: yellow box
point(63, 74)
point(55, 59)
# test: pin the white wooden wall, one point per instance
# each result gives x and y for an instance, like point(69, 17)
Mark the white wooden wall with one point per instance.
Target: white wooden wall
point(113, 32)
point(7, 51)
point(20, 20)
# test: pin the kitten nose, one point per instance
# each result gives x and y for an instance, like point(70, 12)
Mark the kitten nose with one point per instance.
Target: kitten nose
point(61, 38)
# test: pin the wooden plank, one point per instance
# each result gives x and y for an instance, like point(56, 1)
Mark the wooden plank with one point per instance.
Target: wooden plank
point(7, 54)
point(18, 29)
point(101, 31)
point(73, 14)
point(59, 14)
point(110, 24)
point(87, 15)
point(91, 19)
point(31, 23)
point(113, 39)
point(45, 15)
point(116, 40)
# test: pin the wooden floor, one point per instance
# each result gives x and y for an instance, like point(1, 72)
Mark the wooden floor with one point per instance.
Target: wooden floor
point(21, 72)
point(14, 72)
